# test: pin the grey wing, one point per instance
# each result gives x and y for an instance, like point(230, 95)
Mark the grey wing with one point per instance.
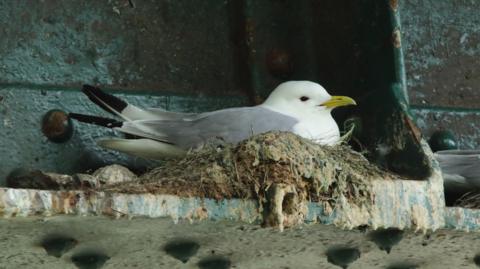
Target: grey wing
point(169, 115)
point(231, 125)
point(460, 167)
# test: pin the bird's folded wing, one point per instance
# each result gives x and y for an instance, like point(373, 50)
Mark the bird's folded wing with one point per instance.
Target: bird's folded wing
point(161, 114)
point(230, 125)
point(458, 164)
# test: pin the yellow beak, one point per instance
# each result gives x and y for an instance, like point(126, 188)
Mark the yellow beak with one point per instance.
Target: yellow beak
point(337, 101)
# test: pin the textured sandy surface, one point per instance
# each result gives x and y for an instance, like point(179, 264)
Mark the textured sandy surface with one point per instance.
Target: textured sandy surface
point(139, 243)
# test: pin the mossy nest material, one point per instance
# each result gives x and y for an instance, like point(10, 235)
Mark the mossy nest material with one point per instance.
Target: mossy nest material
point(249, 170)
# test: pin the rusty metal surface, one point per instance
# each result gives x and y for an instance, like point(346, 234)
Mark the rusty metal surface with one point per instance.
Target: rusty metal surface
point(209, 47)
point(465, 125)
point(442, 52)
point(236, 49)
point(168, 45)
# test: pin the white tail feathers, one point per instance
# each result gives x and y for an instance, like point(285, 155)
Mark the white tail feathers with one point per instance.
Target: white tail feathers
point(145, 148)
point(135, 113)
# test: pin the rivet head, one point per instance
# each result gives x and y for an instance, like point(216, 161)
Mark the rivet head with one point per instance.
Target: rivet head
point(443, 140)
point(279, 63)
point(57, 126)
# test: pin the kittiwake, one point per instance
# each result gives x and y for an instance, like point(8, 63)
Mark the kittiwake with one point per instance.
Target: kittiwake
point(300, 107)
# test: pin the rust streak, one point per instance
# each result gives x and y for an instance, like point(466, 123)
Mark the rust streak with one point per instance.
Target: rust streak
point(413, 128)
point(394, 5)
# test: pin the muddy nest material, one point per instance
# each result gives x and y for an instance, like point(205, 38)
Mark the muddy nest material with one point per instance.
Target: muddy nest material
point(281, 170)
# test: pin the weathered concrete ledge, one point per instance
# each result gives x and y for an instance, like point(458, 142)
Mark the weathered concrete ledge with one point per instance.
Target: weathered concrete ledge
point(463, 219)
point(397, 203)
point(30, 202)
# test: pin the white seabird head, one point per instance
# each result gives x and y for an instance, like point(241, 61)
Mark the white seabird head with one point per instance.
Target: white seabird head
point(304, 98)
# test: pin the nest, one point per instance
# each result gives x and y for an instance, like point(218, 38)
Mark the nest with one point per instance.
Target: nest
point(280, 170)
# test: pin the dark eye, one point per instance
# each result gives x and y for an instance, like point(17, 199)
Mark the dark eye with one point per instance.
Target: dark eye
point(304, 98)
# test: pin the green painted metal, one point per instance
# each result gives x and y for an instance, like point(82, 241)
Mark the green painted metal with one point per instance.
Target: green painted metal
point(197, 56)
point(146, 54)
point(463, 123)
point(441, 44)
point(155, 45)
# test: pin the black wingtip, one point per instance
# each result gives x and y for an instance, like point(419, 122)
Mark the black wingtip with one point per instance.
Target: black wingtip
point(104, 100)
point(100, 121)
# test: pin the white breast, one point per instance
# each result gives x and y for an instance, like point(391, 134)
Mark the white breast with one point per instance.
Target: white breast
point(322, 130)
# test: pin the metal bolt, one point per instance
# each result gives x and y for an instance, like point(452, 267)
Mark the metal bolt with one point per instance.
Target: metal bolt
point(443, 140)
point(57, 126)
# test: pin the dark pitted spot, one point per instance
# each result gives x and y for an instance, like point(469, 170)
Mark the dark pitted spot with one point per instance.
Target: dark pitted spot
point(215, 263)
point(89, 260)
point(476, 260)
point(363, 228)
point(182, 249)
point(57, 245)
point(403, 265)
point(342, 256)
point(279, 62)
point(385, 239)
point(288, 203)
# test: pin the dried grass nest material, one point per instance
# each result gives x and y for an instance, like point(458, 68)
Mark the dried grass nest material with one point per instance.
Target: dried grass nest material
point(469, 200)
point(269, 162)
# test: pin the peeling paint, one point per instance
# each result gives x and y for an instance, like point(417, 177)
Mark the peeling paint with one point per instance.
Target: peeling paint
point(396, 39)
